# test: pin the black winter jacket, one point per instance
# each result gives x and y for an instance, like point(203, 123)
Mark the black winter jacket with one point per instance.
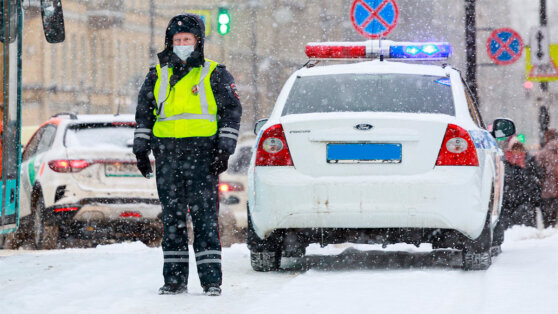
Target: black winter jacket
point(522, 185)
point(229, 109)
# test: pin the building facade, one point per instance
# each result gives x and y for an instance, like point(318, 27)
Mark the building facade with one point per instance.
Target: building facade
point(110, 45)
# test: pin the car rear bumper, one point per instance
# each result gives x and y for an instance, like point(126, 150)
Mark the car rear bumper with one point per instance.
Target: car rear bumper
point(446, 198)
point(107, 217)
point(114, 229)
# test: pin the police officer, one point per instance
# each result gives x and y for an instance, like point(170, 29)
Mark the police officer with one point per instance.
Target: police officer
point(188, 113)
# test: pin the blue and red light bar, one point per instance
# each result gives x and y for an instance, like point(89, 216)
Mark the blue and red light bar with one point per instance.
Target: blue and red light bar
point(374, 48)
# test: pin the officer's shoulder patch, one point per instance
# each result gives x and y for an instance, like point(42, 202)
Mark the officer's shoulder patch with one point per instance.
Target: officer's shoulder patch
point(234, 90)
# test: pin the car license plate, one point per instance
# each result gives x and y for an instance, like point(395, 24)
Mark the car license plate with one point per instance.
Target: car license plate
point(118, 169)
point(363, 153)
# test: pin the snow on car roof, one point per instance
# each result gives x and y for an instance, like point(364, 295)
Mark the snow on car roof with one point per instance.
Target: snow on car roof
point(93, 118)
point(376, 66)
point(105, 117)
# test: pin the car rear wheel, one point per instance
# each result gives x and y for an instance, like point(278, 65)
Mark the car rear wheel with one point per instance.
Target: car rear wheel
point(265, 261)
point(44, 236)
point(477, 253)
point(265, 254)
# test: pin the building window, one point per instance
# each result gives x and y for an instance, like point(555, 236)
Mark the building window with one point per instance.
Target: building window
point(63, 78)
point(73, 75)
point(118, 66)
point(84, 62)
point(102, 64)
point(53, 64)
point(127, 62)
point(93, 61)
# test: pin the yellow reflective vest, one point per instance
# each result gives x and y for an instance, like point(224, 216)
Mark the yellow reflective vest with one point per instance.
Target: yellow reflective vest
point(189, 109)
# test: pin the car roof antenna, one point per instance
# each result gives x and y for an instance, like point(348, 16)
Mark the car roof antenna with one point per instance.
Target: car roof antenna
point(117, 109)
point(381, 50)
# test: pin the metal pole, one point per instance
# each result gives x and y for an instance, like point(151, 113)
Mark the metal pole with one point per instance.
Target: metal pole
point(544, 116)
point(152, 50)
point(222, 48)
point(255, 99)
point(323, 21)
point(543, 21)
point(471, 47)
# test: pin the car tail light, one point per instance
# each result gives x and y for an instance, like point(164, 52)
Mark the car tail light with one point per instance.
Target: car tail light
point(66, 209)
point(273, 149)
point(458, 149)
point(63, 165)
point(123, 123)
point(230, 187)
point(130, 214)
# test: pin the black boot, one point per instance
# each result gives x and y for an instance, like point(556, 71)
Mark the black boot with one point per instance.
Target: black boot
point(173, 288)
point(212, 290)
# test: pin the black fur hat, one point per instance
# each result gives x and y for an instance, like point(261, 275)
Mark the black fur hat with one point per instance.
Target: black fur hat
point(187, 23)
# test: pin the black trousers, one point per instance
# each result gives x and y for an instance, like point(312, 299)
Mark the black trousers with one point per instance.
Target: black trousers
point(186, 185)
point(549, 211)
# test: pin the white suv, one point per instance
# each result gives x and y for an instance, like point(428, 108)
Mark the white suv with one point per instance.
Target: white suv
point(376, 152)
point(79, 177)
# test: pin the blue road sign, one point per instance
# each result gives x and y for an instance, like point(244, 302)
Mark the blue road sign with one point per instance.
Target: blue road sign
point(374, 18)
point(504, 46)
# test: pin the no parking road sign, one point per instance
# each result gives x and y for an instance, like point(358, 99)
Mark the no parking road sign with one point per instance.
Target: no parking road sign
point(504, 46)
point(374, 18)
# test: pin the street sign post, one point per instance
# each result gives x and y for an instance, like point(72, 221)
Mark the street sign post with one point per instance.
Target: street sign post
point(504, 46)
point(544, 72)
point(374, 18)
point(206, 17)
point(539, 43)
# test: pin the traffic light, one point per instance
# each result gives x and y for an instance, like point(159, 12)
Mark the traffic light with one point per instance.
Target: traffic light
point(223, 21)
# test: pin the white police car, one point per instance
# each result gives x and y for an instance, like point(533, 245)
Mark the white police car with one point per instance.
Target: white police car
point(376, 152)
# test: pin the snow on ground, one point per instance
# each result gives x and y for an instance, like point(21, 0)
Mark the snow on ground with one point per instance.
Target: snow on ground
point(124, 278)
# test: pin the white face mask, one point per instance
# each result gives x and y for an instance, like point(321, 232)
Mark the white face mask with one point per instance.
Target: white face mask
point(183, 52)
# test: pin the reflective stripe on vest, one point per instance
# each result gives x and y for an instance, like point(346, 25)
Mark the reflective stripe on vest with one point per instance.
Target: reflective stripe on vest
point(188, 109)
point(163, 90)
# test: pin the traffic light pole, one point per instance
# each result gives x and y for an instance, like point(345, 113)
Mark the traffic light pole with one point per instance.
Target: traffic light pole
point(152, 49)
point(255, 99)
point(544, 116)
point(471, 48)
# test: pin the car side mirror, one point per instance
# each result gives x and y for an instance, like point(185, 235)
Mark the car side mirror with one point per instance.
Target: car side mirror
point(53, 21)
point(503, 128)
point(258, 126)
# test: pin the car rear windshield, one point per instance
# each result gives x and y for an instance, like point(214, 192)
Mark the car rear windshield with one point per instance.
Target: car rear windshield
point(96, 135)
point(370, 92)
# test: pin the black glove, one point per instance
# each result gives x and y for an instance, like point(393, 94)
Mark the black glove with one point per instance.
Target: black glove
point(141, 145)
point(144, 164)
point(220, 164)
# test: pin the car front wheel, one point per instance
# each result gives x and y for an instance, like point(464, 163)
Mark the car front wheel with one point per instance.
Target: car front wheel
point(44, 235)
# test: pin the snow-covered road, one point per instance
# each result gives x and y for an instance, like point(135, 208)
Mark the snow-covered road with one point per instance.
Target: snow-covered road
point(124, 278)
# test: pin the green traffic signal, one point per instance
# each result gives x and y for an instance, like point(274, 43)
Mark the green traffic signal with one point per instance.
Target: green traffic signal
point(223, 21)
point(521, 138)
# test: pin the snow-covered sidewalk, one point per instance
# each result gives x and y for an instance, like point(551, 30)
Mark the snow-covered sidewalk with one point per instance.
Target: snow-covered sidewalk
point(124, 278)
